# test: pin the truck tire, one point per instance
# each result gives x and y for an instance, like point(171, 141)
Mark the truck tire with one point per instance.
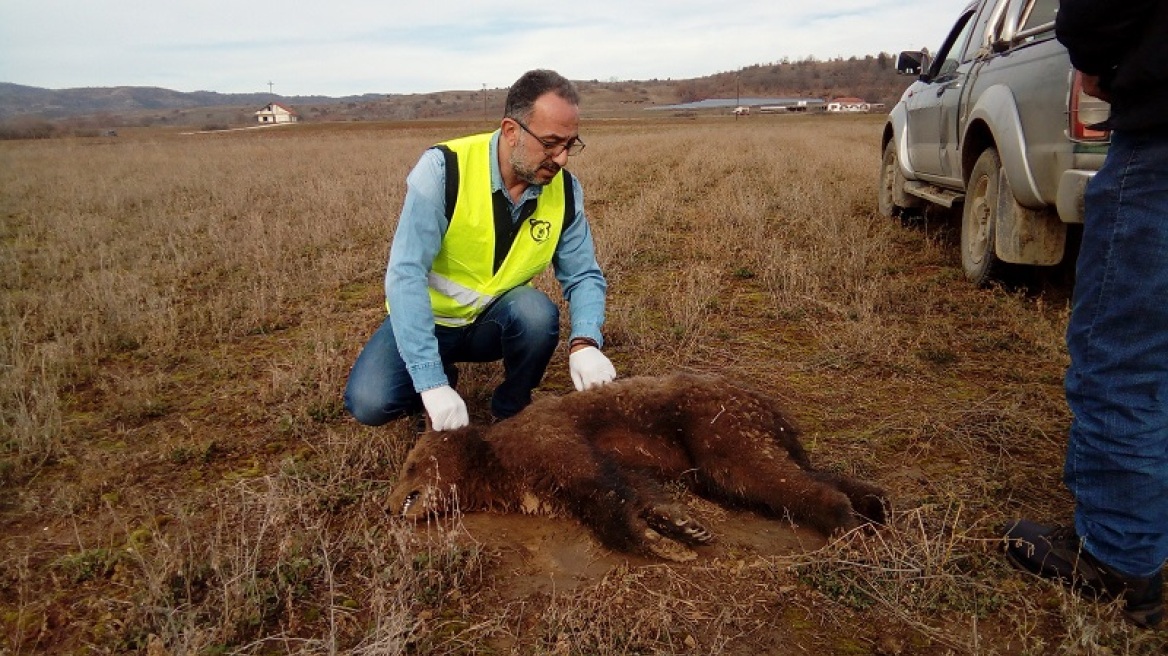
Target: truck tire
point(893, 202)
point(979, 220)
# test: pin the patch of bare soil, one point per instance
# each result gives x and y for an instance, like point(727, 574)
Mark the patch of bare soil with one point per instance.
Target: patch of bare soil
point(555, 590)
point(554, 554)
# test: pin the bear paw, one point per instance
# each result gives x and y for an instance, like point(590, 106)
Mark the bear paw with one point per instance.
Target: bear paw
point(676, 522)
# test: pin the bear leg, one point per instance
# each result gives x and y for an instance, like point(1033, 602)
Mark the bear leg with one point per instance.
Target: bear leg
point(869, 501)
point(613, 504)
point(781, 488)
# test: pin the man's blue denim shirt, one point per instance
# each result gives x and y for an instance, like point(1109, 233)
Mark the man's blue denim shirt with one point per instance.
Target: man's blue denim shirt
point(418, 238)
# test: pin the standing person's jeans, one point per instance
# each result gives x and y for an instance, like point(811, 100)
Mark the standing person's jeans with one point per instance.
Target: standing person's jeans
point(1117, 384)
point(522, 328)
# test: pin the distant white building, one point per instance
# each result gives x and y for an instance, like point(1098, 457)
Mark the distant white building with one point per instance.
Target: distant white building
point(813, 104)
point(848, 105)
point(276, 113)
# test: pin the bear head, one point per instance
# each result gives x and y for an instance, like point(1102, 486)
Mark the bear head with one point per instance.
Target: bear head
point(438, 465)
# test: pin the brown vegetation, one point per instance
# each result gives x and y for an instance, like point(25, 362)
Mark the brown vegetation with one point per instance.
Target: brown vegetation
point(177, 475)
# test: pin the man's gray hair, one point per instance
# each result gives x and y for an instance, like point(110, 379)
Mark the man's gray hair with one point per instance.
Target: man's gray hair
point(533, 84)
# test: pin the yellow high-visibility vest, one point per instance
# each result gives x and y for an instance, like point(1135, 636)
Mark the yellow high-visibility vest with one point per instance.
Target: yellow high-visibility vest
point(484, 255)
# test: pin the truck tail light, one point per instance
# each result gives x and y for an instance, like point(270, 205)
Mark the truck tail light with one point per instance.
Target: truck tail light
point(1086, 110)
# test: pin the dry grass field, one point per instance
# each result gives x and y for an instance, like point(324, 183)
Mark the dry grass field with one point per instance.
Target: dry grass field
point(178, 313)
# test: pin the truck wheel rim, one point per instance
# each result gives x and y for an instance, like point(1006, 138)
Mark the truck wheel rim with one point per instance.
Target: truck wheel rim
point(978, 228)
point(889, 173)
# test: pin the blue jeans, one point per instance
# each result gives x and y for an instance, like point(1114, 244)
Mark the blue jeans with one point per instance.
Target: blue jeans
point(1117, 383)
point(521, 328)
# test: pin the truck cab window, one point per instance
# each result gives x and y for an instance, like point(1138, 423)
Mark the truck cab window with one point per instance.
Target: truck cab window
point(1038, 13)
point(953, 52)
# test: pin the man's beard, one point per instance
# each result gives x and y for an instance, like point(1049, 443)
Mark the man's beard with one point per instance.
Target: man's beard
point(528, 173)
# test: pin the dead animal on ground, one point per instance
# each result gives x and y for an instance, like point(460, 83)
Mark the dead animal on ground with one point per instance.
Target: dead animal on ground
point(603, 455)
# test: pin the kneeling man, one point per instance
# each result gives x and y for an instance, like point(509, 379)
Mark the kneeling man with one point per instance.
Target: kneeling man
point(483, 215)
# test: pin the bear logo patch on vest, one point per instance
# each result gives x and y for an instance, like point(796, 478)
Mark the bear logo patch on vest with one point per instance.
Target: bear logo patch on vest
point(540, 230)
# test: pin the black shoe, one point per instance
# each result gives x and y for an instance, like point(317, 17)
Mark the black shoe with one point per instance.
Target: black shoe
point(1057, 553)
point(418, 423)
point(451, 371)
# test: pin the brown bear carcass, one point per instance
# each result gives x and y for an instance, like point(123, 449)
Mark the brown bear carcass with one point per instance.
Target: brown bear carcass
point(602, 456)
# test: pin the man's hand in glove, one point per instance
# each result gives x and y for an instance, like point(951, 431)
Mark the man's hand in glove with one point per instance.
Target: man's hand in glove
point(446, 408)
point(590, 368)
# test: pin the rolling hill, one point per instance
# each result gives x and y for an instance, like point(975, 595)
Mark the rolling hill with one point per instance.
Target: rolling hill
point(872, 78)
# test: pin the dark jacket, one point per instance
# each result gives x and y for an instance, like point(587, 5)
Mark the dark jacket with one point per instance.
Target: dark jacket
point(1125, 43)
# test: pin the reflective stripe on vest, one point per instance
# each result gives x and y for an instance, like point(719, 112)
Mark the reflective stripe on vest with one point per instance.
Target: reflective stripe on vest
point(476, 263)
point(462, 295)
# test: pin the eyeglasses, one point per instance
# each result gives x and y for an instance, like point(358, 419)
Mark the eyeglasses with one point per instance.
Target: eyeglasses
point(554, 148)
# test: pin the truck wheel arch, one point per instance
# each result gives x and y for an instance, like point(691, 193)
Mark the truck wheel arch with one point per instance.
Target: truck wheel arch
point(1025, 229)
point(894, 130)
point(892, 200)
point(994, 115)
point(997, 231)
point(979, 221)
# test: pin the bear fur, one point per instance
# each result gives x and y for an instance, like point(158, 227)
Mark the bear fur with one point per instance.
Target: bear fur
point(603, 455)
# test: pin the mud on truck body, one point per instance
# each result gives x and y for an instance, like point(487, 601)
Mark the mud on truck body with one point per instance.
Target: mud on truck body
point(996, 124)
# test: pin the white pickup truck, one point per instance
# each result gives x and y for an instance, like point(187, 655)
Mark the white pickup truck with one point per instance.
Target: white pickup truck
point(996, 122)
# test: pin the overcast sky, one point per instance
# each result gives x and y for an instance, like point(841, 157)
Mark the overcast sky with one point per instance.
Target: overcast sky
point(349, 47)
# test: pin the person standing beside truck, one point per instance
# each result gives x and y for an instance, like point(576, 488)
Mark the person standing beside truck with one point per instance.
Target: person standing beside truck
point(1117, 383)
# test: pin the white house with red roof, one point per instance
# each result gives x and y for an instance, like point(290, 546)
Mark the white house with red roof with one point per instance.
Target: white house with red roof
point(848, 105)
point(276, 113)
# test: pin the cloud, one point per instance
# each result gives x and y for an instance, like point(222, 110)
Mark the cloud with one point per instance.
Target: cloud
point(346, 47)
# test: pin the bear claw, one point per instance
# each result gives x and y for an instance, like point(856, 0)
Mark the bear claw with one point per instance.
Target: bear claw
point(675, 523)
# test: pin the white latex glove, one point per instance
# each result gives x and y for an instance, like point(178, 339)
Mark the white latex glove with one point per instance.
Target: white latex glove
point(446, 408)
point(590, 368)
